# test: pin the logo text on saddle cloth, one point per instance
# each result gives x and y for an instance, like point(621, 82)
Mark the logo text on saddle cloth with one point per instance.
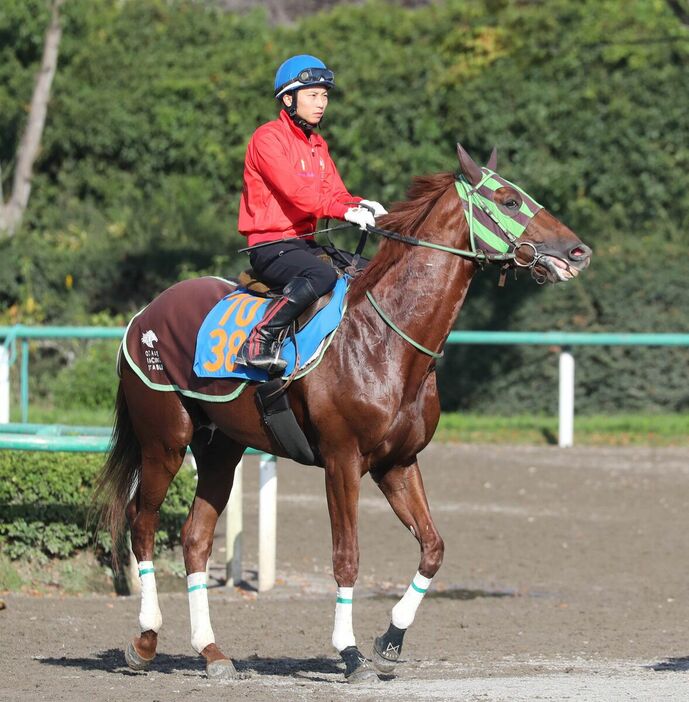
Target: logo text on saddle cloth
point(153, 361)
point(229, 323)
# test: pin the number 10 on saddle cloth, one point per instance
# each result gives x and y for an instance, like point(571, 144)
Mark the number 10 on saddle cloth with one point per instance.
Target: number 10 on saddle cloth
point(230, 322)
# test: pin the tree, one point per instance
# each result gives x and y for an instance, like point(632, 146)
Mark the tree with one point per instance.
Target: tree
point(289, 11)
point(12, 212)
point(681, 10)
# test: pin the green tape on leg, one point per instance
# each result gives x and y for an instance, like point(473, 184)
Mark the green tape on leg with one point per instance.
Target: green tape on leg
point(197, 587)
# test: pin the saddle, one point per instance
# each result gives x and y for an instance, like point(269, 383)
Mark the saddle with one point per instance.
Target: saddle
point(249, 280)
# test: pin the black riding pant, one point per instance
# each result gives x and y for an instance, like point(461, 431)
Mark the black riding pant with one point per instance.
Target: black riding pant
point(276, 264)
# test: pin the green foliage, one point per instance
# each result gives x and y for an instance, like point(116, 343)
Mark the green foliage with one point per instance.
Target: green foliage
point(22, 539)
point(44, 413)
point(45, 500)
point(593, 430)
point(91, 382)
point(9, 577)
point(141, 165)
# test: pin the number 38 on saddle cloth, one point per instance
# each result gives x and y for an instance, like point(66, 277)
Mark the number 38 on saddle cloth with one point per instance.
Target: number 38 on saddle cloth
point(230, 322)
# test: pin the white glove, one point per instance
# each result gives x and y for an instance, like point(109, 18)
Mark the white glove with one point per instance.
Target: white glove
point(361, 217)
point(378, 209)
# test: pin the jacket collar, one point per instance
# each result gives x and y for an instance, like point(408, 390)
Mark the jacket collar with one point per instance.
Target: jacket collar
point(297, 131)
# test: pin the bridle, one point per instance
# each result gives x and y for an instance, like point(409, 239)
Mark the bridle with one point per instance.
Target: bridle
point(471, 198)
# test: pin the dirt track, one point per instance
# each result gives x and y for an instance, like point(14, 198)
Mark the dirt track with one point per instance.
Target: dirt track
point(565, 578)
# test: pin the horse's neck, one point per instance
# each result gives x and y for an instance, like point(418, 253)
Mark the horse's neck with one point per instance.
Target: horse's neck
point(424, 289)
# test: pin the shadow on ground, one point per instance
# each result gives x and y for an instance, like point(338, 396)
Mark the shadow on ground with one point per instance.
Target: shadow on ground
point(451, 593)
point(112, 661)
point(291, 667)
point(673, 665)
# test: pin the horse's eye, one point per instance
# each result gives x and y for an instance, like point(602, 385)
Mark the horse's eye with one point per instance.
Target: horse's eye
point(512, 204)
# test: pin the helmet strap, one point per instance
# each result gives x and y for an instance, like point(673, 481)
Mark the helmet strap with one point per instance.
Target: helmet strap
point(305, 126)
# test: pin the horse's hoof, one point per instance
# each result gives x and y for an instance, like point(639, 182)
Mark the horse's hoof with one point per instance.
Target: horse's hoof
point(221, 670)
point(363, 675)
point(357, 669)
point(134, 660)
point(387, 649)
point(384, 658)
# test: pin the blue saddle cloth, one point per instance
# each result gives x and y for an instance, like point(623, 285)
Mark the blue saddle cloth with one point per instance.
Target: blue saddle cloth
point(230, 322)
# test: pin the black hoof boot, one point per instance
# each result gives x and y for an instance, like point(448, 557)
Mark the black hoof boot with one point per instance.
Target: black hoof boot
point(357, 668)
point(387, 649)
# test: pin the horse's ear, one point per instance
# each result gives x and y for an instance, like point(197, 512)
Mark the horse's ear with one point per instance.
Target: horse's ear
point(468, 166)
point(492, 164)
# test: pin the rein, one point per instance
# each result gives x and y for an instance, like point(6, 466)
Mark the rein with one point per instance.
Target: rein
point(475, 253)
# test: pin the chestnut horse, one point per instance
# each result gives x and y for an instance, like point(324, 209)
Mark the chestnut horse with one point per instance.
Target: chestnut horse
point(400, 312)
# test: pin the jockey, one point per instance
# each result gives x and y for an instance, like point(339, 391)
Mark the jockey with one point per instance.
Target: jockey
point(289, 182)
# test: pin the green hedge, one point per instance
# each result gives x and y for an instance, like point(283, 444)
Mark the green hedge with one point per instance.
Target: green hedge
point(45, 499)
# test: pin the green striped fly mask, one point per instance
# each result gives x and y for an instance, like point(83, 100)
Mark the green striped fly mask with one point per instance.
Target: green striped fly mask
point(497, 211)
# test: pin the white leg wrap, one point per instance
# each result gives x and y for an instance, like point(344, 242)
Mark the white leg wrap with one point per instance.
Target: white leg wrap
point(150, 618)
point(404, 611)
point(343, 634)
point(201, 631)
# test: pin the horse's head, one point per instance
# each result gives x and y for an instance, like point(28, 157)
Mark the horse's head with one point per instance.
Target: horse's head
point(504, 219)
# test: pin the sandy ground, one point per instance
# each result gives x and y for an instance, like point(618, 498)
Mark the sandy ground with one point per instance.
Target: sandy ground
point(565, 578)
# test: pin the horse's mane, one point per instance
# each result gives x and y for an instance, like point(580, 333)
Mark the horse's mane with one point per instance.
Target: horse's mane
point(405, 218)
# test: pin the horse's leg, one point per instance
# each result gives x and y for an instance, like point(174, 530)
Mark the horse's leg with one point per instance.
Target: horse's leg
point(216, 459)
point(163, 429)
point(403, 487)
point(159, 465)
point(342, 482)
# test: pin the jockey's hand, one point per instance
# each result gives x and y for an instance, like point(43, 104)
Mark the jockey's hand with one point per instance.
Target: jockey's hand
point(378, 209)
point(361, 217)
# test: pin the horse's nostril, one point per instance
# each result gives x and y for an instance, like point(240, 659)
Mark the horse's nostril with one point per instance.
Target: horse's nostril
point(579, 252)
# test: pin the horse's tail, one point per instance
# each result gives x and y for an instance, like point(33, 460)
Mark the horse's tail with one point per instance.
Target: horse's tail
point(119, 477)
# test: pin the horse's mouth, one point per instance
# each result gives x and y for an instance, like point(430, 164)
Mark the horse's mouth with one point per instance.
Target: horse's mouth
point(551, 265)
point(555, 270)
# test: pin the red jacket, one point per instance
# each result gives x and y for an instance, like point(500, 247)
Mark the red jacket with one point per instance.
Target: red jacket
point(290, 182)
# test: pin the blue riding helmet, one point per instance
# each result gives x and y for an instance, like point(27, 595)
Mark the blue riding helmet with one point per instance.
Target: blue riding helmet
point(300, 71)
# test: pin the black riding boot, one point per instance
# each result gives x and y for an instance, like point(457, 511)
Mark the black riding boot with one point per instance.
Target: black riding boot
point(262, 349)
